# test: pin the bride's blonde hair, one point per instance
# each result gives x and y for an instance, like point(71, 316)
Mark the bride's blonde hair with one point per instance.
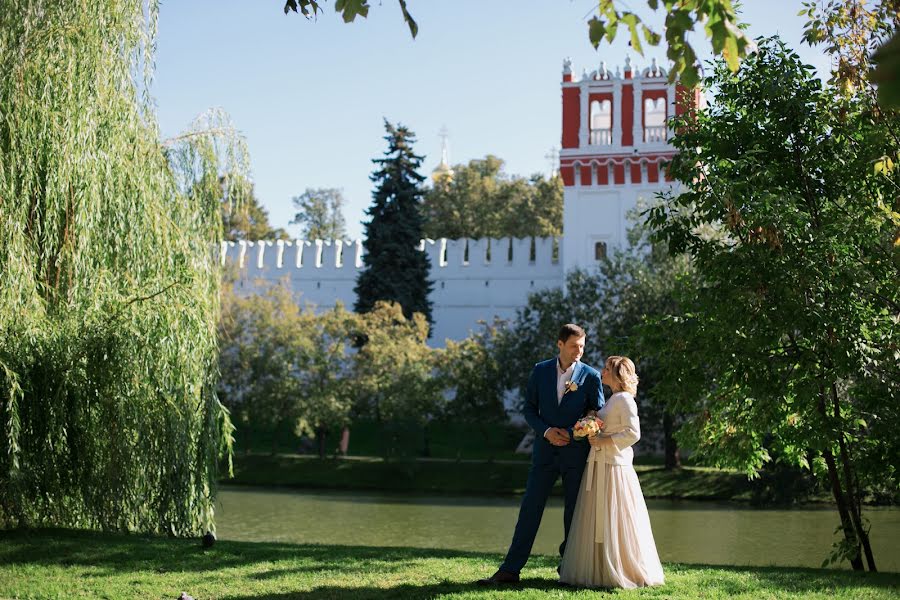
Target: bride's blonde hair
point(623, 371)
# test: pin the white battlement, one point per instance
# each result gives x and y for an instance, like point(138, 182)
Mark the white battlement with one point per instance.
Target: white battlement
point(474, 279)
point(266, 255)
point(278, 257)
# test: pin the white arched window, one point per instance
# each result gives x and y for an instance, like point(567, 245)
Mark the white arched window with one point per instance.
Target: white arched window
point(655, 120)
point(601, 123)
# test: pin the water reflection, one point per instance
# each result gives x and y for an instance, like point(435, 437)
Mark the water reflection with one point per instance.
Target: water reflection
point(692, 532)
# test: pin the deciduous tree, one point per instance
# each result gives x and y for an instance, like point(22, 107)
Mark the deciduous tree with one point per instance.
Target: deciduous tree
point(480, 201)
point(789, 333)
point(320, 214)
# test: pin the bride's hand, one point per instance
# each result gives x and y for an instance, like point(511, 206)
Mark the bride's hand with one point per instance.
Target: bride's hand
point(599, 441)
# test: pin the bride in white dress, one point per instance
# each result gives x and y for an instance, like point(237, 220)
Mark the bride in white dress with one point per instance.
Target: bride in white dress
point(610, 543)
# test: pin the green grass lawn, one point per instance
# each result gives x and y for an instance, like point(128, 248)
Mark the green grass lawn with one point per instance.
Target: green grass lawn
point(481, 477)
point(61, 564)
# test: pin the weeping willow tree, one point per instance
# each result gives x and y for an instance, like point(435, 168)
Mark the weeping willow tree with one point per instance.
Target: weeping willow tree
point(108, 285)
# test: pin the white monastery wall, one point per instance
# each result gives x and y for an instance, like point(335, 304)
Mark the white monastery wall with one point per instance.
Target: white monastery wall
point(494, 281)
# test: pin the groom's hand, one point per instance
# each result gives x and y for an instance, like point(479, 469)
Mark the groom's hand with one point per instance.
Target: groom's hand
point(557, 436)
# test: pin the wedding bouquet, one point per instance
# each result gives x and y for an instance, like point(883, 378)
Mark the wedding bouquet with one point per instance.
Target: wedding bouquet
point(587, 426)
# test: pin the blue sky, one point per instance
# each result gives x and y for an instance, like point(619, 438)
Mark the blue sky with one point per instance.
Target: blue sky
point(310, 96)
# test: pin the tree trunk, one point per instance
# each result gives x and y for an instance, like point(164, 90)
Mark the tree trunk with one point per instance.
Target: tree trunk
point(838, 493)
point(673, 454)
point(843, 509)
point(321, 435)
point(855, 500)
point(344, 444)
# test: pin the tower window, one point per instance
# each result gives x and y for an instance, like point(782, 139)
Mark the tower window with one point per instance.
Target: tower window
point(601, 123)
point(654, 120)
point(599, 250)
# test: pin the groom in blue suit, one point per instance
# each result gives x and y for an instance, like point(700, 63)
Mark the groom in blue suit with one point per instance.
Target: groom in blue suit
point(560, 391)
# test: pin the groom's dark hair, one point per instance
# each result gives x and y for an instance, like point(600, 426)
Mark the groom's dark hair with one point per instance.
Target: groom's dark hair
point(568, 330)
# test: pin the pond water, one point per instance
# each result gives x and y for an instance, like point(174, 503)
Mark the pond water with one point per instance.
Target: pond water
point(689, 532)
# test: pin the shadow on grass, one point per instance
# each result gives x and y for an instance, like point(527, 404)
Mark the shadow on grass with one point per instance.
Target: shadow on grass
point(411, 591)
point(126, 554)
point(123, 552)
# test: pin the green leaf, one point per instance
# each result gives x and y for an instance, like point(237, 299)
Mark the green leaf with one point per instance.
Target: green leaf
point(690, 75)
point(413, 26)
point(718, 33)
point(652, 37)
point(681, 21)
point(632, 21)
point(611, 31)
point(349, 9)
point(596, 31)
point(304, 7)
point(730, 53)
point(884, 165)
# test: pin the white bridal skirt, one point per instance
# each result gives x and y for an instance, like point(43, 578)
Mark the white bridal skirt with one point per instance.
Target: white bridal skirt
point(610, 543)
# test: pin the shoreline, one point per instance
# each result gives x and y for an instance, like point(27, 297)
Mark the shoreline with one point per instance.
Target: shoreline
point(473, 477)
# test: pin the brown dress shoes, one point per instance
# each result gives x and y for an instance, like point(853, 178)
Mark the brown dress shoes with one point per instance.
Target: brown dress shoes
point(500, 578)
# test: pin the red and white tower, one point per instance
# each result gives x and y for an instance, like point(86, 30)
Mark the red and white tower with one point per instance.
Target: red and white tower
point(614, 144)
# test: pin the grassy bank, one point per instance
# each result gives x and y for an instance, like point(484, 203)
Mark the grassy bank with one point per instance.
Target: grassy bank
point(461, 477)
point(74, 564)
point(369, 438)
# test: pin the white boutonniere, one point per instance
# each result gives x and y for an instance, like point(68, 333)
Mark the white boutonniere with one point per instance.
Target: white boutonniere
point(571, 386)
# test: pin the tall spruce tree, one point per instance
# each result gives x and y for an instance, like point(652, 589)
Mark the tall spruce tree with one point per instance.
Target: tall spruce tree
point(395, 269)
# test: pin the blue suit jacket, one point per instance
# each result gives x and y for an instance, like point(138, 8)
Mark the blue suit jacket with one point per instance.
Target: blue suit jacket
point(541, 409)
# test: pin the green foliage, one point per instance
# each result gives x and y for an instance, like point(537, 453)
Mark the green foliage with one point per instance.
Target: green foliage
point(349, 10)
point(282, 364)
point(247, 220)
point(856, 35)
point(396, 269)
point(108, 287)
point(789, 332)
point(474, 371)
point(480, 201)
point(719, 22)
point(393, 368)
point(320, 214)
